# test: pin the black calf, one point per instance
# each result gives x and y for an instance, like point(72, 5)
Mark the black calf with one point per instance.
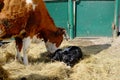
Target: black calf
point(57, 55)
point(69, 55)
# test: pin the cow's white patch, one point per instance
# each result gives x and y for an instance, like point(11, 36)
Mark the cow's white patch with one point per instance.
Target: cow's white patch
point(51, 47)
point(31, 2)
point(34, 6)
point(36, 39)
point(26, 44)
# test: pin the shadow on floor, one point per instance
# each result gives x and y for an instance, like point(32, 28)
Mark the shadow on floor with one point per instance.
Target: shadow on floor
point(87, 51)
point(37, 77)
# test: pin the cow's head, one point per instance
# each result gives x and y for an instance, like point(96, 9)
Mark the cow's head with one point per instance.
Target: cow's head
point(53, 39)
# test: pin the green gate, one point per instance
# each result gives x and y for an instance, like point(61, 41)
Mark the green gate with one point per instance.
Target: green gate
point(94, 18)
point(59, 12)
point(85, 18)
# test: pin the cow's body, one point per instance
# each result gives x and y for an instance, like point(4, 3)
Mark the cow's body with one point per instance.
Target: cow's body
point(34, 21)
point(69, 55)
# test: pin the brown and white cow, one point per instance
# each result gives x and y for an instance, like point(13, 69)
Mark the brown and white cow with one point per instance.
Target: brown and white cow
point(34, 20)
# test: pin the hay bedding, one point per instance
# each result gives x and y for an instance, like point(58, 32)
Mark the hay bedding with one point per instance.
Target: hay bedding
point(101, 61)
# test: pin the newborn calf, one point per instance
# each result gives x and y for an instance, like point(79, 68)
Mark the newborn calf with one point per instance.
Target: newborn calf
point(57, 55)
point(69, 55)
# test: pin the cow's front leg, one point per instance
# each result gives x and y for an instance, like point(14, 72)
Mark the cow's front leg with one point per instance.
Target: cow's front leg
point(26, 44)
point(18, 48)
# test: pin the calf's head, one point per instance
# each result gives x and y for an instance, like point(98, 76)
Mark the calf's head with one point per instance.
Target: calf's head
point(57, 56)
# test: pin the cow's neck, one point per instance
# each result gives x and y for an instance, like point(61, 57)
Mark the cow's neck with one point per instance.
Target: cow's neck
point(46, 19)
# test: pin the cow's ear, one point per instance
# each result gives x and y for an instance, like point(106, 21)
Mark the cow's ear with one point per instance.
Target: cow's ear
point(60, 31)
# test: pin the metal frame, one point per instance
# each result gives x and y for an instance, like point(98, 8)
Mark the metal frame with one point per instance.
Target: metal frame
point(71, 15)
point(115, 24)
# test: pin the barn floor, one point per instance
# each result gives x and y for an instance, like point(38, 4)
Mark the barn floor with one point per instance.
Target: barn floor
point(101, 61)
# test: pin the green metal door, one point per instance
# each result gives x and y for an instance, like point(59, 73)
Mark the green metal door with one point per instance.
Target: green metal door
point(58, 10)
point(94, 18)
point(119, 17)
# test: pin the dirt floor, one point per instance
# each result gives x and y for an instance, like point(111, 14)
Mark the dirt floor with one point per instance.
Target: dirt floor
point(101, 61)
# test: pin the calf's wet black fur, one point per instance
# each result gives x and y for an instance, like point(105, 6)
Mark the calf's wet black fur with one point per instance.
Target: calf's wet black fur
point(70, 55)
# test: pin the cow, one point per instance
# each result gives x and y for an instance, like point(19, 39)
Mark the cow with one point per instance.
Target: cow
point(70, 55)
point(29, 18)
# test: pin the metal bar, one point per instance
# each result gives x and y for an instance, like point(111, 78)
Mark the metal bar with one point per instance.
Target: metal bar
point(70, 18)
point(116, 12)
point(74, 17)
point(116, 18)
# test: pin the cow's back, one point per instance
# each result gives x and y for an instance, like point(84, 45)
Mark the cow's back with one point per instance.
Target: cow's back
point(41, 17)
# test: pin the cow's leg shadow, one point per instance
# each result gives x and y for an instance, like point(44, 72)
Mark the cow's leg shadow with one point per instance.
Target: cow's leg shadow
point(87, 52)
point(91, 49)
point(95, 49)
point(43, 57)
